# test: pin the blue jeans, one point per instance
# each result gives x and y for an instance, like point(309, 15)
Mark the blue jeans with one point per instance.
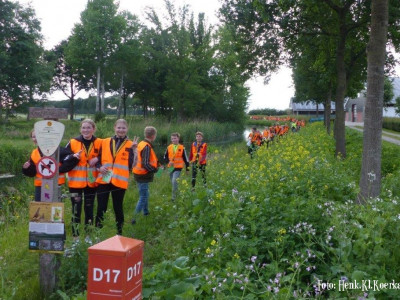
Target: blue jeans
point(174, 175)
point(143, 203)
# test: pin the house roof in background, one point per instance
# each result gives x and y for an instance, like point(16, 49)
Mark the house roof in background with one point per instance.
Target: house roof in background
point(309, 106)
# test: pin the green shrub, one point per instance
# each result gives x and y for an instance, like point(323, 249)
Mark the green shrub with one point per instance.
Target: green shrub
point(391, 124)
point(99, 116)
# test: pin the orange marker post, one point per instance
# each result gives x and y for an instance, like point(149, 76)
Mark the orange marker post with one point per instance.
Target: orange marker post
point(115, 269)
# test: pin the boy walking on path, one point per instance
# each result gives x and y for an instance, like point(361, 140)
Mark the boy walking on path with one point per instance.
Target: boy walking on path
point(198, 158)
point(147, 164)
point(175, 156)
point(254, 141)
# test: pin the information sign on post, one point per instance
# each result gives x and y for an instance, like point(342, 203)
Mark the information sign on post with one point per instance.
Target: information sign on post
point(46, 227)
point(48, 135)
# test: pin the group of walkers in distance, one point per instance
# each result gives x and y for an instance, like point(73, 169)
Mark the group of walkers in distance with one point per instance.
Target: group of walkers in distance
point(257, 139)
point(94, 166)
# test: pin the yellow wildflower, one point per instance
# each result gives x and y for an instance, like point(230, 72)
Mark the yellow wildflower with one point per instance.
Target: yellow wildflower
point(282, 231)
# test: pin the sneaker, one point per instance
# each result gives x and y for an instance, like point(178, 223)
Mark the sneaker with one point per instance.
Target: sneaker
point(88, 240)
point(133, 222)
point(146, 214)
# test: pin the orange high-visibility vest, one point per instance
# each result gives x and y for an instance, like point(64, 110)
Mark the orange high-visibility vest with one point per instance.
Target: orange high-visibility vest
point(266, 134)
point(255, 137)
point(139, 168)
point(78, 177)
point(117, 161)
point(35, 157)
point(201, 155)
point(176, 159)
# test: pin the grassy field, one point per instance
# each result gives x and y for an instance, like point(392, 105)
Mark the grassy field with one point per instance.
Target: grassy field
point(20, 281)
point(262, 228)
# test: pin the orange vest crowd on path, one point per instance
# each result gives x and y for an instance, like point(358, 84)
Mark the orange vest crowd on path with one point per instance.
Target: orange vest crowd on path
point(271, 133)
point(100, 167)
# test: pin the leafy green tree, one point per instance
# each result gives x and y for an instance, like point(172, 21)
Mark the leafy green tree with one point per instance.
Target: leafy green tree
point(267, 112)
point(126, 63)
point(93, 42)
point(178, 57)
point(397, 105)
point(313, 73)
point(189, 63)
point(23, 68)
point(388, 93)
point(229, 80)
point(67, 79)
point(254, 35)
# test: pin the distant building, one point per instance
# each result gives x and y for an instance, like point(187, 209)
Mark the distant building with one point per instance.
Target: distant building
point(309, 108)
point(355, 107)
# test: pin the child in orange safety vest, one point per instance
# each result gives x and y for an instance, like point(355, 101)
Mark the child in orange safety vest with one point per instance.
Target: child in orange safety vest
point(198, 158)
point(147, 165)
point(117, 158)
point(267, 136)
point(82, 184)
point(29, 167)
point(254, 141)
point(175, 156)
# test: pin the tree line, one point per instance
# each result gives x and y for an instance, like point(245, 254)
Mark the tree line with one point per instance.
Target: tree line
point(179, 66)
point(84, 106)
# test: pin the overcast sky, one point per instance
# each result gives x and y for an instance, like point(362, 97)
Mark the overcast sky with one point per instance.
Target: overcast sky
point(59, 16)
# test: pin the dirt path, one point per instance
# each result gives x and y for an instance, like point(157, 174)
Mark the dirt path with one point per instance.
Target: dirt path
point(386, 136)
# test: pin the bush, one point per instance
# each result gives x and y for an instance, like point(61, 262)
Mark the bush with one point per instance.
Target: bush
point(391, 124)
point(99, 116)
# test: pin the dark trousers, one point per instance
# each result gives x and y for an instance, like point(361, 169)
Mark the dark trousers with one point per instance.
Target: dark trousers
point(252, 149)
point(202, 169)
point(76, 201)
point(117, 195)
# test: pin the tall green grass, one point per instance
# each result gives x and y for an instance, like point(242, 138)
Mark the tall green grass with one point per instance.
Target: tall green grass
point(391, 123)
point(19, 268)
point(197, 243)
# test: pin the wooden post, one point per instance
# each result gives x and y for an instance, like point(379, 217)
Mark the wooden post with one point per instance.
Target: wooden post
point(48, 262)
point(49, 134)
